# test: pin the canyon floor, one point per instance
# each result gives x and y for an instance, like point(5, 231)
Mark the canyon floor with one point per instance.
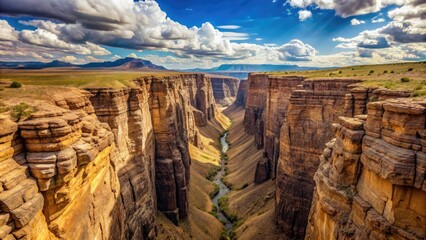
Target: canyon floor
point(252, 203)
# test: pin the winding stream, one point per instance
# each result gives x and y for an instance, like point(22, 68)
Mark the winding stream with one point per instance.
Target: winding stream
point(223, 189)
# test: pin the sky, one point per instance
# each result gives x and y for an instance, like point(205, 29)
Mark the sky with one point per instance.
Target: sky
point(205, 34)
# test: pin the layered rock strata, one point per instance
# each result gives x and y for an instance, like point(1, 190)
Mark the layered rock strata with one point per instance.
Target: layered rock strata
point(257, 91)
point(127, 113)
point(242, 94)
point(224, 89)
point(267, 102)
point(307, 127)
point(99, 163)
point(371, 181)
point(21, 202)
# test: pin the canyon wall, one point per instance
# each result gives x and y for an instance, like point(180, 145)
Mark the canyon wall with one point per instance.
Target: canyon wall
point(242, 93)
point(371, 181)
point(292, 119)
point(307, 127)
point(99, 163)
point(224, 89)
point(254, 123)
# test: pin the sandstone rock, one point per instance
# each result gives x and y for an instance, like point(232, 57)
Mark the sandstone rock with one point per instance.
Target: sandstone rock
point(13, 178)
point(4, 218)
point(388, 200)
point(12, 199)
point(6, 229)
point(262, 171)
point(224, 89)
point(242, 93)
point(27, 211)
point(307, 128)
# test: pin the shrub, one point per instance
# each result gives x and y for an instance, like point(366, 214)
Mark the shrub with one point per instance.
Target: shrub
point(371, 72)
point(20, 111)
point(212, 173)
point(410, 69)
point(15, 84)
point(405, 79)
point(386, 71)
point(353, 68)
point(392, 71)
point(214, 192)
point(374, 99)
point(340, 72)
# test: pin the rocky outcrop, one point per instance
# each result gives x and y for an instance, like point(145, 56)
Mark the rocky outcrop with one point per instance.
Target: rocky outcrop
point(69, 152)
point(21, 203)
point(224, 89)
point(242, 93)
point(371, 181)
point(307, 127)
point(99, 163)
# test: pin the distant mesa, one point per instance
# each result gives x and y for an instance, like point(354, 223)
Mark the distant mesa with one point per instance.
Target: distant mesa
point(125, 63)
point(241, 71)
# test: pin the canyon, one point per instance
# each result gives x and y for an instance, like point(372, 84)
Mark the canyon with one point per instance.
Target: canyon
point(308, 158)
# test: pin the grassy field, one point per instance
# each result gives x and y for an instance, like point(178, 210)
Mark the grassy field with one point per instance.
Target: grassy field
point(387, 75)
point(76, 78)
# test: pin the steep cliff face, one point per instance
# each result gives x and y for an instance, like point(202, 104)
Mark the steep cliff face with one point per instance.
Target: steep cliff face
point(224, 89)
point(99, 163)
point(127, 113)
point(306, 129)
point(254, 119)
point(173, 104)
point(242, 93)
point(277, 101)
point(371, 180)
point(68, 152)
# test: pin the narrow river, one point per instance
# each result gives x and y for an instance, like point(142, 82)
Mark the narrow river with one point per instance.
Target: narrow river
point(223, 189)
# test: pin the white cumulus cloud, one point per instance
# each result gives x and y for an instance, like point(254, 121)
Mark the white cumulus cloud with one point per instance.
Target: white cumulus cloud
point(356, 22)
point(304, 14)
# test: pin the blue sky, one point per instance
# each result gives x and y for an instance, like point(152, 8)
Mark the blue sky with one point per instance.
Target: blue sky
point(186, 34)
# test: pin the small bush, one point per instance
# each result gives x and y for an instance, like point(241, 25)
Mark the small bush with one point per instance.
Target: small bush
point(392, 71)
point(410, 69)
point(214, 211)
point(212, 173)
point(386, 71)
point(353, 68)
point(340, 72)
point(15, 84)
point(214, 192)
point(20, 111)
point(405, 80)
point(374, 99)
point(371, 72)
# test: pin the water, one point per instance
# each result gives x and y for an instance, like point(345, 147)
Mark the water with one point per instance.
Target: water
point(223, 189)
